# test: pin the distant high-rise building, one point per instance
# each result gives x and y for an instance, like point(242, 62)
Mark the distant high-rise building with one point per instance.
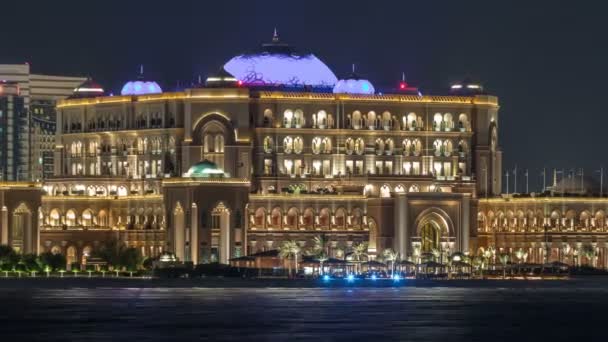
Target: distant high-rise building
point(13, 124)
point(30, 99)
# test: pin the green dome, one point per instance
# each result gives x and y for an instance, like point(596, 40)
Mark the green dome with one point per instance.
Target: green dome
point(205, 168)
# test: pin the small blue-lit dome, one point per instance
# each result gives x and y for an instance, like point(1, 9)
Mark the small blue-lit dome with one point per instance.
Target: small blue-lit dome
point(278, 64)
point(204, 168)
point(141, 86)
point(354, 84)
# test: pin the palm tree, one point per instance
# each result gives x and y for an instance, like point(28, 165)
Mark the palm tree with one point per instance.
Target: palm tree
point(504, 260)
point(321, 244)
point(588, 251)
point(359, 251)
point(321, 249)
point(491, 253)
point(390, 255)
point(520, 254)
point(436, 254)
point(479, 262)
point(288, 250)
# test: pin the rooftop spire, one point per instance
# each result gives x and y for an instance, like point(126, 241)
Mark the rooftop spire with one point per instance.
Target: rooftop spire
point(353, 68)
point(403, 76)
point(275, 36)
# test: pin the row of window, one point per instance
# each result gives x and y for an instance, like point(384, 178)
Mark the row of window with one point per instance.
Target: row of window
point(297, 167)
point(141, 145)
point(371, 120)
point(323, 145)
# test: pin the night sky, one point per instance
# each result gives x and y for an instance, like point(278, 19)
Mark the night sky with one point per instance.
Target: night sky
point(545, 60)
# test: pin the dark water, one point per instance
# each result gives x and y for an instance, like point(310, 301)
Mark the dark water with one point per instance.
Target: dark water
point(126, 311)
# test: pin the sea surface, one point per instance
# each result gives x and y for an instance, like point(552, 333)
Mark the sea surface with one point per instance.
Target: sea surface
point(145, 310)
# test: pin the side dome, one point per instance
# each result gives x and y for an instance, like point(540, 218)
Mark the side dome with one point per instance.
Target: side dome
point(278, 64)
point(354, 84)
point(88, 88)
point(141, 86)
point(205, 168)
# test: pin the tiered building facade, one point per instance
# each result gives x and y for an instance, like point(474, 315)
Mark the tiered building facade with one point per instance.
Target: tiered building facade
point(232, 168)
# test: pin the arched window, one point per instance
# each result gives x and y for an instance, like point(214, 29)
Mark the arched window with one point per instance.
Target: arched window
point(55, 218)
point(359, 146)
point(324, 217)
point(298, 118)
point(298, 145)
point(93, 147)
point(357, 124)
point(259, 217)
point(417, 147)
point(292, 217)
point(326, 145)
point(322, 119)
point(371, 120)
point(408, 147)
point(219, 143)
point(70, 218)
point(448, 122)
point(462, 148)
point(316, 145)
point(268, 118)
point(399, 188)
point(340, 218)
point(87, 218)
point(276, 217)
point(287, 118)
point(349, 146)
point(414, 188)
point(438, 147)
point(386, 121)
point(379, 146)
point(268, 144)
point(288, 145)
point(385, 191)
point(437, 121)
point(412, 122)
point(447, 147)
point(389, 146)
point(463, 122)
point(308, 218)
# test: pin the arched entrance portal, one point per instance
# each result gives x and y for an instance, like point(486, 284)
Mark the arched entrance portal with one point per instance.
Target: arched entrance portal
point(430, 236)
point(21, 229)
point(434, 230)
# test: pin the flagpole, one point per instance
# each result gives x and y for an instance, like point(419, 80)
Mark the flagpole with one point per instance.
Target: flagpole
point(527, 189)
point(544, 179)
point(507, 174)
point(515, 179)
point(582, 179)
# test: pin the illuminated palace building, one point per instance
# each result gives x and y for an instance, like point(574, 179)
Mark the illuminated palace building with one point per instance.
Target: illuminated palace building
point(275, 147)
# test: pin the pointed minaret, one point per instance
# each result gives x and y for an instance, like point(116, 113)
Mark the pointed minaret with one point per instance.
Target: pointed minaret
point(275, 36)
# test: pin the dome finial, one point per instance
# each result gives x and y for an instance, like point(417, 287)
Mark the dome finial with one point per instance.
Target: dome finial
point(141, 69)
point(353, 68)
point(275, 36)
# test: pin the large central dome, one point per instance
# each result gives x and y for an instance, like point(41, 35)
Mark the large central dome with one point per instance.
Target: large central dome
point(278, 64)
